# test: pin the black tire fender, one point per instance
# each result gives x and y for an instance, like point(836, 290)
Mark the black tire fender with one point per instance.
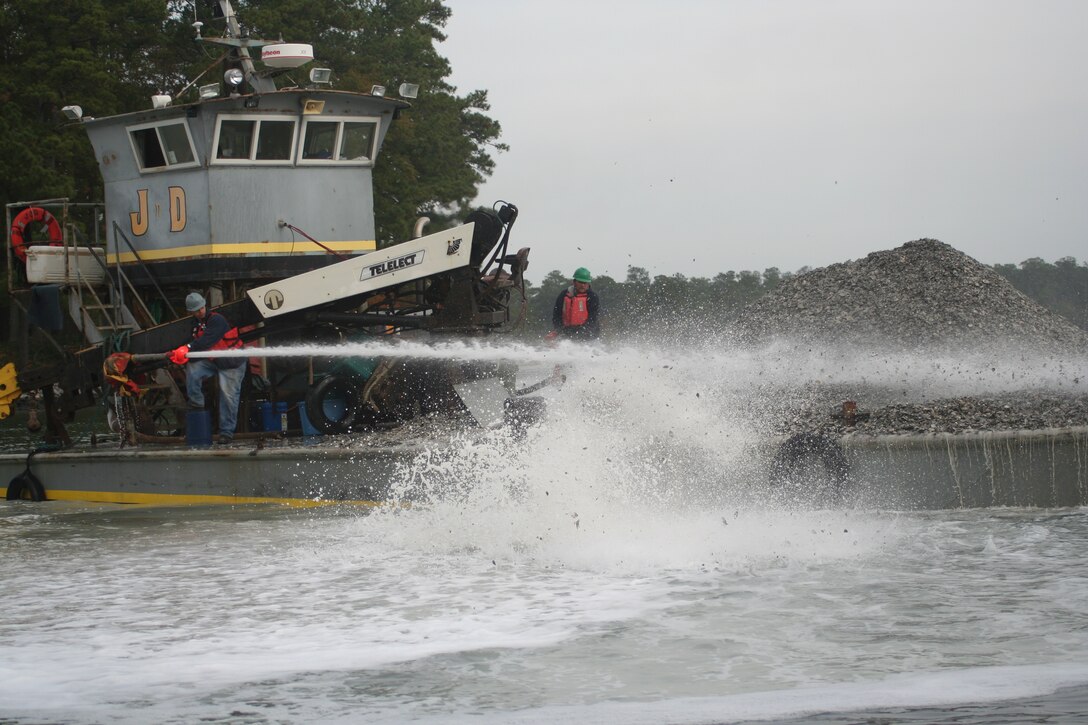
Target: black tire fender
point(344, 387)
point(806, 450)
point(26, 487)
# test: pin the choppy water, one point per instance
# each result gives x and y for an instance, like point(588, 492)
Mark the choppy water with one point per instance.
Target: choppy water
point(609, 567)
point(273, 615)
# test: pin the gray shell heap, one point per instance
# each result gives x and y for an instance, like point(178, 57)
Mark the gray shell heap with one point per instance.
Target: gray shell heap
point(913, 305)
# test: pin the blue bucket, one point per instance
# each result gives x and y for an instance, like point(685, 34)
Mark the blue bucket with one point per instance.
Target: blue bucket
point(268, 417)
point(198, 427)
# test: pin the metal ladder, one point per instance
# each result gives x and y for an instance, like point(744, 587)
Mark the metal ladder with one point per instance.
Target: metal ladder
point(107, 322)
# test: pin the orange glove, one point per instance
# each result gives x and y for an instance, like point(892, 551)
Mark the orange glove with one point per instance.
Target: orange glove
point(180, 356)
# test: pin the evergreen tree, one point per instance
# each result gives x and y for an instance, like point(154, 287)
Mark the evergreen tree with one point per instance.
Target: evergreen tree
point(1061, 287)
point(67, 52)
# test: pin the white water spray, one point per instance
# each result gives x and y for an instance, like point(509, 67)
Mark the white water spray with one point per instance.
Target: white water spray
point(920, 374)
point(656, 457)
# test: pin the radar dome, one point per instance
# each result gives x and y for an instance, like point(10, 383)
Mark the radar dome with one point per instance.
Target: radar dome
point(287, 55)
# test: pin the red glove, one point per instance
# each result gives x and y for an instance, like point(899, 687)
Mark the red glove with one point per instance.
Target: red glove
point(180, 356)
point(551, 335)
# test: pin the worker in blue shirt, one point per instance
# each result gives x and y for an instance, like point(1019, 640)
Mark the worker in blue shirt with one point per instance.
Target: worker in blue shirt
point(212, 331)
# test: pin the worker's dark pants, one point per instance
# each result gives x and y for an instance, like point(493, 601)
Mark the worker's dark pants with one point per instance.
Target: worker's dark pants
point(230, 390)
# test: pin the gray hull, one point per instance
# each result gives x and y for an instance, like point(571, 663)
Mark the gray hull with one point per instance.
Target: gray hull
point(295, 474)
point(1042, 468)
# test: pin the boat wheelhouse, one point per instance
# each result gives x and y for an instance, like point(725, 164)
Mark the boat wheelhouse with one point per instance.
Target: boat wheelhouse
point(241, 188)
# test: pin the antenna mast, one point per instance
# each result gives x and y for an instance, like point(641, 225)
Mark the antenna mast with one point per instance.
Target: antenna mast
point(260, 83)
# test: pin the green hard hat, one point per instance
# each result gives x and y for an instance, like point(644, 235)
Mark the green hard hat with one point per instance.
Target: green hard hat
point(581, 275)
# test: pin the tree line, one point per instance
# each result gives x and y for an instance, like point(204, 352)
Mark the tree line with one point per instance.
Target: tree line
point(1061, 287)
point(643, 305)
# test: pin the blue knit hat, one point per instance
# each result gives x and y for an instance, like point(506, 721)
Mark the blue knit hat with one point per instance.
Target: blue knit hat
point(194, 301)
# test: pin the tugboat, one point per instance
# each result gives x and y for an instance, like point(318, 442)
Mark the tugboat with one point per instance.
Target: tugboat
point(261, 199)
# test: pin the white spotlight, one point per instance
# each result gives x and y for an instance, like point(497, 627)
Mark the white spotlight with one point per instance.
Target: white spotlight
point(233, 78)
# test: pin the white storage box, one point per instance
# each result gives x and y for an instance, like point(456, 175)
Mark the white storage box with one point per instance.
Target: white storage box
point(45, 265)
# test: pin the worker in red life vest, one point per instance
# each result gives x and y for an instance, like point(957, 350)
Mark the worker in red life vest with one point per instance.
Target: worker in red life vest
point(576, 315)
point(212, 331)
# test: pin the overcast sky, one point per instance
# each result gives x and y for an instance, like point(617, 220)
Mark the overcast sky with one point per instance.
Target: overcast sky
point(699, 136)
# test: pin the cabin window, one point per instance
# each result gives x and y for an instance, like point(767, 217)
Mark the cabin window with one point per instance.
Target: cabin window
point(338, 141)
point(163, 145)
point(275, 140)
point(320, 139)
point(235, 139)
point(358, 141)
point(249, 140)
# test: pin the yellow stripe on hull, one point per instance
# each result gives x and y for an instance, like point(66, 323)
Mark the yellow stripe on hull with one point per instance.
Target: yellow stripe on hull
point(241, 248)
point(177, 499)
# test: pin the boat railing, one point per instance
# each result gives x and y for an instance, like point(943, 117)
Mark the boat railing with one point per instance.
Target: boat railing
point(123, 280)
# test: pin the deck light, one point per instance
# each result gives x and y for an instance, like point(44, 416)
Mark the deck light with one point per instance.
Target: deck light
point(233, 78)
point(377, 90)
point(160, 100)
point(408, 90)
point(209, 91)
point(321, 75)
point(72, 113)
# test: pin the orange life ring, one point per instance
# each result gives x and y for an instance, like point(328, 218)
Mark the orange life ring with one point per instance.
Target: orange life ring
point(28, 216)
